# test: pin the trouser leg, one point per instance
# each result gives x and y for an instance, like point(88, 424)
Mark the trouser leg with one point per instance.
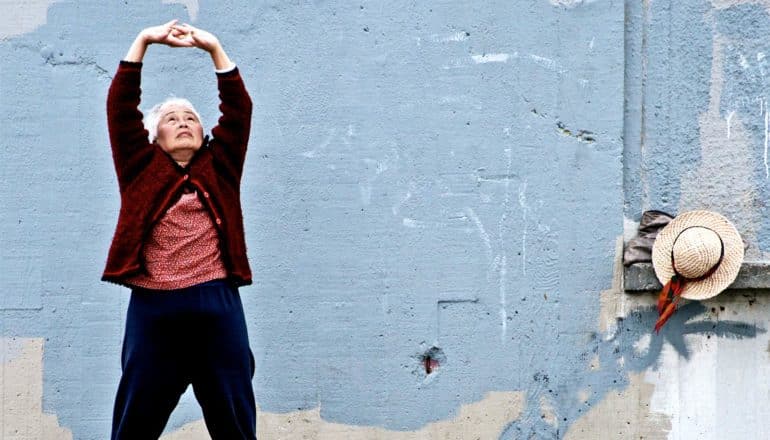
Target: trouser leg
point(154, 371)
point(224, 367)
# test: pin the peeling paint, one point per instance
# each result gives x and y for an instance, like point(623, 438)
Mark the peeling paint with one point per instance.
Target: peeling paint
point(623, 414)
point(469, 238)
point(718, 390)
point(21, 393)
point(18, 17)
point(483, 420)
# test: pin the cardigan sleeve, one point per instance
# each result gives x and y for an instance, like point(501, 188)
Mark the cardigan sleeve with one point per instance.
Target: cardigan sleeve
point(231, 134)
point(131, 149)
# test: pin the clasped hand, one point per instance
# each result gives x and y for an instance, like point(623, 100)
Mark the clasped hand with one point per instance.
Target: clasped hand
point(180, 35)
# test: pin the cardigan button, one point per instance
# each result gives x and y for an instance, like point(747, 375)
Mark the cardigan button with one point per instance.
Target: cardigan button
point(219, 221)
point(205, 194)
point(186, 176)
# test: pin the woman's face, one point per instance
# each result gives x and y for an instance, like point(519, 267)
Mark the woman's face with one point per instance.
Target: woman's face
point(180, 133)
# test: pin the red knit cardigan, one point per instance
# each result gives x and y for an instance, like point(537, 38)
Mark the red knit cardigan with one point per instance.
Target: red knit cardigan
point(150, 181)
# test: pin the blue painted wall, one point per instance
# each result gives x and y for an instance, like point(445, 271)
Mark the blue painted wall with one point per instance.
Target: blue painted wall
point(444, 177)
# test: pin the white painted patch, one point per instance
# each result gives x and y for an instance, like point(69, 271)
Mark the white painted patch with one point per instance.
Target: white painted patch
point(630, 229)
point(643, 344)
point(686, 390)
point(412, 223)
point(503, 308)
point(491, 58)
point(744, 62)
point(760, 56)
point(482, 232)
point(767, 171)
point(729, 122)
point(457, 36)
point(191, 6)
point(524, 209)
point(591, 44)
point(547, 63)
point(21, 17)
point(570, 3)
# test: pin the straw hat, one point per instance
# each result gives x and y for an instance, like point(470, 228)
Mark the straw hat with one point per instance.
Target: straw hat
point(706, 249)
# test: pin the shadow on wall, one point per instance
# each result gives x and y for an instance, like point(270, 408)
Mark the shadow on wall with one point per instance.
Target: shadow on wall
point(630, 348)
point(674, 333)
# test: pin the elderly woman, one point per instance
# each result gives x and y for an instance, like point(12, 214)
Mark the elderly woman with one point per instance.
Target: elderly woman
point(179, 246)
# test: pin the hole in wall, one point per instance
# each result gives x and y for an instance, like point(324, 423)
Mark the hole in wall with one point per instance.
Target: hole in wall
point(432, 360)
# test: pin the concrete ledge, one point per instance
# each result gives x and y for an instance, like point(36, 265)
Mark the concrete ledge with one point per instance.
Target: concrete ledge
point(640, 277)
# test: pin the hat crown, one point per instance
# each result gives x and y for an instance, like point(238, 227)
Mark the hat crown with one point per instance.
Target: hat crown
point(696, 251)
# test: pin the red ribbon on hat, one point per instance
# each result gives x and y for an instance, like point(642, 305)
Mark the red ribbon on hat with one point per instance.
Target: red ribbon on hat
point(671, 294)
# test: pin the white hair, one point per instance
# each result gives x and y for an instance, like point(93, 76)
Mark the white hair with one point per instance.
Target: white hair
point(152, 118)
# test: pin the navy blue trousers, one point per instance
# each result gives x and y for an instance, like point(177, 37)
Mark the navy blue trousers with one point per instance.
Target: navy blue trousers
point(193, 336)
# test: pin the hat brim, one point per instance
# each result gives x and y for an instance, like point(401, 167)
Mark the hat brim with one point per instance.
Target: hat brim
point(728, 269)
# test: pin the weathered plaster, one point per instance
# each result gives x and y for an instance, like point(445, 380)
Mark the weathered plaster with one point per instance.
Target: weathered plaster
point(21, 393)
point(483, 420)
point(623, 414)
point(719, 391)
point(720, 180)
point(19, 17)
point(357, 126)
point(614, 302)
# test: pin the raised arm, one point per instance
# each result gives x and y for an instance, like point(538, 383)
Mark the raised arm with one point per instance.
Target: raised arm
point(205, 41)
point(231, 134)
point(131, 149)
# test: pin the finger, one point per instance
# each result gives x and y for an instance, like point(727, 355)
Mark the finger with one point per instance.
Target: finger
point(180, 42)
point(186, 28)
point(170, 24)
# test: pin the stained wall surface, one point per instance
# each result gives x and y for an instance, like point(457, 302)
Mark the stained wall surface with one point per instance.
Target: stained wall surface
point(449, 181)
